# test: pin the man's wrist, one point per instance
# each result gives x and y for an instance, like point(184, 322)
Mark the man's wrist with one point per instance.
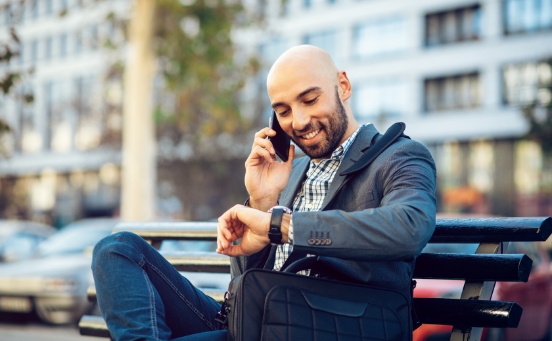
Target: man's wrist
point(262, 205)
point(279, 224)
point(286, 225)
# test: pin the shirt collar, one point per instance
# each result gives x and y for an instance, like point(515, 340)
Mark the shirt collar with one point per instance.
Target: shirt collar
point(344, 147)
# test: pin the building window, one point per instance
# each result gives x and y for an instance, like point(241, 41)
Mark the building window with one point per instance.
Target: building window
point(33, 9)
point(49, 6)
point(21, 57)
point(463, 24)
point(63, 6)
point(78, 42)
point(48, 48)
point(7, 14)
point(307, 3)
point(380, 36)
point(325, 40)
point(452, 92)
point(380, 98)
point(91, 39)
point(522, 16)
point(527, 83)
point(63, 45)
point(34, 51)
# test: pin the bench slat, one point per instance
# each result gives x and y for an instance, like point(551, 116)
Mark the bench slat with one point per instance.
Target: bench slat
point(171, 231)
point(93, 326)
point(474, 267)
point(474, 313)
point(447, 230)
point(483, 230)
point(193, 262)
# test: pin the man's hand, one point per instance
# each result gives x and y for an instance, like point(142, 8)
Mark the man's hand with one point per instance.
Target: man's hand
point(265, 177)
point(243, 222)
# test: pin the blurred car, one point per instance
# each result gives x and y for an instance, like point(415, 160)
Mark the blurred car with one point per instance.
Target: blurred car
point(534, 296)
point(54, 282)
point(19, 238)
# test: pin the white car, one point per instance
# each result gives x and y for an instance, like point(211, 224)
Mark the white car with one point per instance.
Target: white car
point(18, 238)
point(55, 281)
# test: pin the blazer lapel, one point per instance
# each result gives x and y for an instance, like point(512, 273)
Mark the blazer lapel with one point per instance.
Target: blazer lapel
point(295, 181)
point(357, 149)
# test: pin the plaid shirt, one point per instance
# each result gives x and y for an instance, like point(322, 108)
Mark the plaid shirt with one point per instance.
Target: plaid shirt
point(313, 192)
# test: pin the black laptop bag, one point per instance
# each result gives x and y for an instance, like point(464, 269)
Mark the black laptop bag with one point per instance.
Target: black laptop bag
point(269, 305)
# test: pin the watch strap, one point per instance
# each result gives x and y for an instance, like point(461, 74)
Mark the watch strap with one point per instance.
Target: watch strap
point(275, 231)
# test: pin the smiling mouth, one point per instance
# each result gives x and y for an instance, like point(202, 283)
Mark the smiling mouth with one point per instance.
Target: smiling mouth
point(311, 134)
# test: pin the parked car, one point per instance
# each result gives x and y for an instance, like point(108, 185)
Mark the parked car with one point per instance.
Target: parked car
point(19, 238)
point(535, 296)
point(54, 284)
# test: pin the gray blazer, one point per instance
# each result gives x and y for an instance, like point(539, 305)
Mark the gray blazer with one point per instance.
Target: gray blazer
point(378, 219)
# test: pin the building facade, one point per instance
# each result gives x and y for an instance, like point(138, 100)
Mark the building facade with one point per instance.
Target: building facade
point(457, 72)
point(61, 162)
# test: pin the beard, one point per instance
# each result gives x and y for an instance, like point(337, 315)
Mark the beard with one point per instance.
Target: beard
point(334, 128)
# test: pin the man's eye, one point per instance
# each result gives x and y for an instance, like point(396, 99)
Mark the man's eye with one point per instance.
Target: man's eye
point(283, 113)
point(312, 101)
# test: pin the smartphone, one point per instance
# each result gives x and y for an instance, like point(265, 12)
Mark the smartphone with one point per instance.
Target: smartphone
point(281, 140)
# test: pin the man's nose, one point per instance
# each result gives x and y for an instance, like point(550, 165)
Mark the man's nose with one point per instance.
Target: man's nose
point(300, 120)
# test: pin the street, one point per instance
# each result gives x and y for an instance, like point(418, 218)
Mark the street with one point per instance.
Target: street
point(30, 329)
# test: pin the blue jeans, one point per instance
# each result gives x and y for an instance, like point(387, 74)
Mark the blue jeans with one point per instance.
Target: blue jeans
point(142, 297)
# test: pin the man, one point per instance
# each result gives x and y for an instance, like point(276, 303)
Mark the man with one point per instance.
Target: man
point(375, 220)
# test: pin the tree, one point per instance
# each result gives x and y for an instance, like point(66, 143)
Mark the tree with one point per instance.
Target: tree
point(539, 112)
point(198, 98)
point(11, 76)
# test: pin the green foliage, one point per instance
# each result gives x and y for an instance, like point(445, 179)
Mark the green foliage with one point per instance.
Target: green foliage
point(200, 72)
point(539, 117)
point(11, 77)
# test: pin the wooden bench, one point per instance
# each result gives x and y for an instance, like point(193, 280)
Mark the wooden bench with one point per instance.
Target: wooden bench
point(468, 315)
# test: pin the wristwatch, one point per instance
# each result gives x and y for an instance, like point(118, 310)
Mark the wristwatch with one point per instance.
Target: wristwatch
point(275, 231)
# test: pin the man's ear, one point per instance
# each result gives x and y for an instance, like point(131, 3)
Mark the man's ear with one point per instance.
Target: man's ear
point(345, 88)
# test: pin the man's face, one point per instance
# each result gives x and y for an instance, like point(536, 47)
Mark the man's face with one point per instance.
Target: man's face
point(307, 93)
point(320, 137)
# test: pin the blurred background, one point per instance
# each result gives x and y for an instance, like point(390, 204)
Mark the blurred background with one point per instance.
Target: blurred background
point(146, 110)
point(87, 101)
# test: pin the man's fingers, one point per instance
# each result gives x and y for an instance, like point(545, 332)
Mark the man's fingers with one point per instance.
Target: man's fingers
point(264, 143)
point(263, 133)
point(291, 153)
point(263, 154)
point(223, 233)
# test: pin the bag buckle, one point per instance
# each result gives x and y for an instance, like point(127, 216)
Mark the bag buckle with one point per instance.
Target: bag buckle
point(222, 315)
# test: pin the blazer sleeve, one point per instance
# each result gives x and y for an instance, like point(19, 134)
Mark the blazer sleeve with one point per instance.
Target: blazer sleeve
point(396, 230)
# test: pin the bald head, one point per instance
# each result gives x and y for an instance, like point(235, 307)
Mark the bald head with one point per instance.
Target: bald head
point(311, 100)
point(308, 60)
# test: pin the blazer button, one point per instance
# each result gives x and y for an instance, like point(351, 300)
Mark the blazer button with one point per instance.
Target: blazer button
point(322, 241)
point(328, 241)
point(310, 241)
point(317, 241)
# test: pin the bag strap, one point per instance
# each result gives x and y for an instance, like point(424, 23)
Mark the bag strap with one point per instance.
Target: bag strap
point(301, 264)
point(269, 264)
